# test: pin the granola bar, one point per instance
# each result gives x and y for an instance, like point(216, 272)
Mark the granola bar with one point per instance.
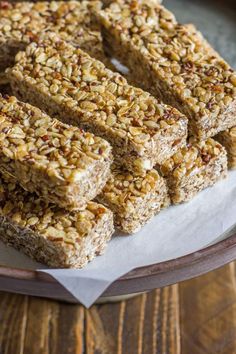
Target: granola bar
point(173, 62)
point(22, 22)
point(228, 140)
point(49, 234)
point(134, 199)
point(60, 163)
point(194, 168)
point(80, 90)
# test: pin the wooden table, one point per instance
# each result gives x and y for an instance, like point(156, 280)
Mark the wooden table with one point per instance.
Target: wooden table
point(194, 317)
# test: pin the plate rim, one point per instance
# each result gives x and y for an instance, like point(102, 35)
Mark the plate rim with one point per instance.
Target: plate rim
point(137, 280)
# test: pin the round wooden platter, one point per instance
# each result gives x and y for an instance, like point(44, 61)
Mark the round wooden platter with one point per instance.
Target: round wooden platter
point(141, 279)
point(217, 21)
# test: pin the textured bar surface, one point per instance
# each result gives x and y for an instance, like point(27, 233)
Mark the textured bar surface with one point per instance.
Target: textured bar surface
point(108, 2)
point(22, 22)
point(228, 140)
point(134, 200)
point(51, 235)
point(61, 163)
point(174, 62)
point(194, 168)
point(68, 83)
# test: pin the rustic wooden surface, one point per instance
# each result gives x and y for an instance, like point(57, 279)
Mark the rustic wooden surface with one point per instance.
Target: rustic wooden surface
point(194, 317)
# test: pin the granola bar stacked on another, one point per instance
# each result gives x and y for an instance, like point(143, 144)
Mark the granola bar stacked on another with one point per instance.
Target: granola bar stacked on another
point(56, 162)
point(50, 234)
point(134, 199)
point(61, 163)
point(50, 173)
point(68, 83)
point(193, 168)
point(176, 64)
point(22, 22)
point(173, 62)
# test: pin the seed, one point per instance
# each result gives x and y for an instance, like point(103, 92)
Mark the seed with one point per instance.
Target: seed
point(150, 124)
point(6, 28)
point(227, 100)
point(88, 106)
point(41, 58)
point(16, 17)
point(33, 220)
point(232, 132)
point(135, 131)
point(54, 88)
point(233, 79)
point(111, 120)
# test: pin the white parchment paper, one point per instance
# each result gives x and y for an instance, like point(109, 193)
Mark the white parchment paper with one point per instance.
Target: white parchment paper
point(175, 232)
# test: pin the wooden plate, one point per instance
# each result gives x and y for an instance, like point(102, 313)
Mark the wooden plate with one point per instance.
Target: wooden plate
point(216, 19)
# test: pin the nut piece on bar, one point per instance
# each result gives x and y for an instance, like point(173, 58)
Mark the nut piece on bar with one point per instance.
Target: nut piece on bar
point(22, 22)
point(69, 84)
point(49, 234)
point(173, 62)
point(62, 164)
point(134, 199)
point(194, 168)
point(228, 140)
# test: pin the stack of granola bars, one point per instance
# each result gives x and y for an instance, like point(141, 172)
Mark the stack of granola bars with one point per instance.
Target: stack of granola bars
point(75, 133)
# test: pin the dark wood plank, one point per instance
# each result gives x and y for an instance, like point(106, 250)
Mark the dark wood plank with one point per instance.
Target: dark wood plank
point(68, 328)
point(146, 324)
point(31, 325)
point(39, 328)
point(54, 328)
point(13, 320)
point(208, 313)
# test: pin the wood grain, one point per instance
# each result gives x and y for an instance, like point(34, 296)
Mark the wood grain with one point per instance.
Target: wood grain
point(13, 319)
point(208, 313)
point(195, 317)
point(146, 324)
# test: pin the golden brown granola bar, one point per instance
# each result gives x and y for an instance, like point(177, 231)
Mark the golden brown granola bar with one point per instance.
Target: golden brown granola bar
point(61, 163)
point(228, 140)
point(49, 234)
point(22, 22)
point(68, 83)
point(134, 199)
point(173, 62)
point(194, 168)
